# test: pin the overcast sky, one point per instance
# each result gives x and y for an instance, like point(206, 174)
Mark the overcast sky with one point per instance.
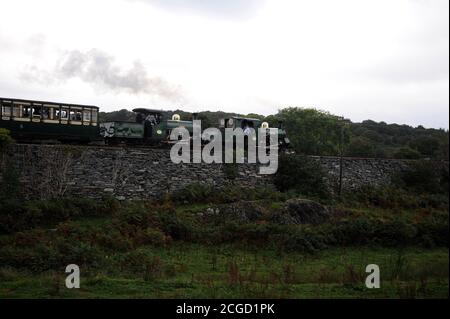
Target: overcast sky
point(381, 60)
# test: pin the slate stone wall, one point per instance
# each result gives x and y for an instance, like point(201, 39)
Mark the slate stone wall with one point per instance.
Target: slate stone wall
point(126, 173)
point(140, 173)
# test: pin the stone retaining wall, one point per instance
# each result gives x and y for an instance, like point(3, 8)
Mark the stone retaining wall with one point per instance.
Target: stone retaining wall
point(140, 173)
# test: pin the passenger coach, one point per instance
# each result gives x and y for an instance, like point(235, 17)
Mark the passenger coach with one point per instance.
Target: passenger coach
point(37, 120)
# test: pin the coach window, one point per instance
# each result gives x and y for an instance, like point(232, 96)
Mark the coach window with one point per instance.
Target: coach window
point(16, 110)
point(26, 112)
point(86, 116)
point(75, 115)
point(6, 109)
point(94, 116)
point(46, 112)
point(49, 112)
point(63, 114)
point(36, 112)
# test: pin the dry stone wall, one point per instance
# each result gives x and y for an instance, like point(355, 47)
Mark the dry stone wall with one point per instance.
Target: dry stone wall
point(141, 173)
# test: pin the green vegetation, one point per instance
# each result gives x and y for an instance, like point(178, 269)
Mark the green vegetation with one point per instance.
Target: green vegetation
point(173, 248)
point(400, 141)
point(292, 169)
point(193, 271)
point(5, 139)
point(315, 132)
point(201, 242)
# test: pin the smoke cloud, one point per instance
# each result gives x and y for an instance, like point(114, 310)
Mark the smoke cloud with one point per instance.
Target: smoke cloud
point(98, 68)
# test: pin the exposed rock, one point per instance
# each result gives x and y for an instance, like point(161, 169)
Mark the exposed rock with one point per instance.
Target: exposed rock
point(302, 211)
point(240, 211)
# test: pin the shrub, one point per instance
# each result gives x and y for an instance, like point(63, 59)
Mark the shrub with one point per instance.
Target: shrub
point(395, 197)
point(203, 193)
point(143, 263)
point(194, 193)
point(5, 139)
point(151, 236)
point(113, 240)
point(10, 186)
point(424, 177)
point(302, 174)
point(230, 170)
point(16, 214)
point(407, 153)
point(176, 227)
point(78, 252)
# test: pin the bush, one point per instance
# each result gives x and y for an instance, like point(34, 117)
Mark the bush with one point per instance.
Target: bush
point(194, 193)
point(16, 214)
point(51, 256)
point(5, 139)
point(207, 194)
point(10, 186)
point(301, 174)
point(395, 197)
point(407, 153)
point(230, 170)
point(424, 177)
point(142, 262)
point(151, 236)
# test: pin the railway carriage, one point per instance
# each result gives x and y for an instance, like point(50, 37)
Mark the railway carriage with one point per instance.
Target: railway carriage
point(48, 121)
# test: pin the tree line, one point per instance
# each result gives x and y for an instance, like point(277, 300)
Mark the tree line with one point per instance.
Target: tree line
point(316, 132)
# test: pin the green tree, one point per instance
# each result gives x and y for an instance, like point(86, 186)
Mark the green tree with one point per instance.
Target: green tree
point(361, 147)
point(426, 145)
point(314, 132)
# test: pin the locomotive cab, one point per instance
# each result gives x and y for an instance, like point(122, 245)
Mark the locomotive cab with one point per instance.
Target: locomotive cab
point(252, 123)
point(151, 120)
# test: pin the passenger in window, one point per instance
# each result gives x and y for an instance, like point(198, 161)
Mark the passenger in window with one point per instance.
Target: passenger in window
point(45, 113)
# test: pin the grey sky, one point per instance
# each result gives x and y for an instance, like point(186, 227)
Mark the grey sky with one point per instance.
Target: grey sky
point(230, 9)
point(386, 60)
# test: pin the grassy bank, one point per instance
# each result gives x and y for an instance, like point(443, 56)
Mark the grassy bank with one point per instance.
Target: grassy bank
point(196, 271)
point(230, 244)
